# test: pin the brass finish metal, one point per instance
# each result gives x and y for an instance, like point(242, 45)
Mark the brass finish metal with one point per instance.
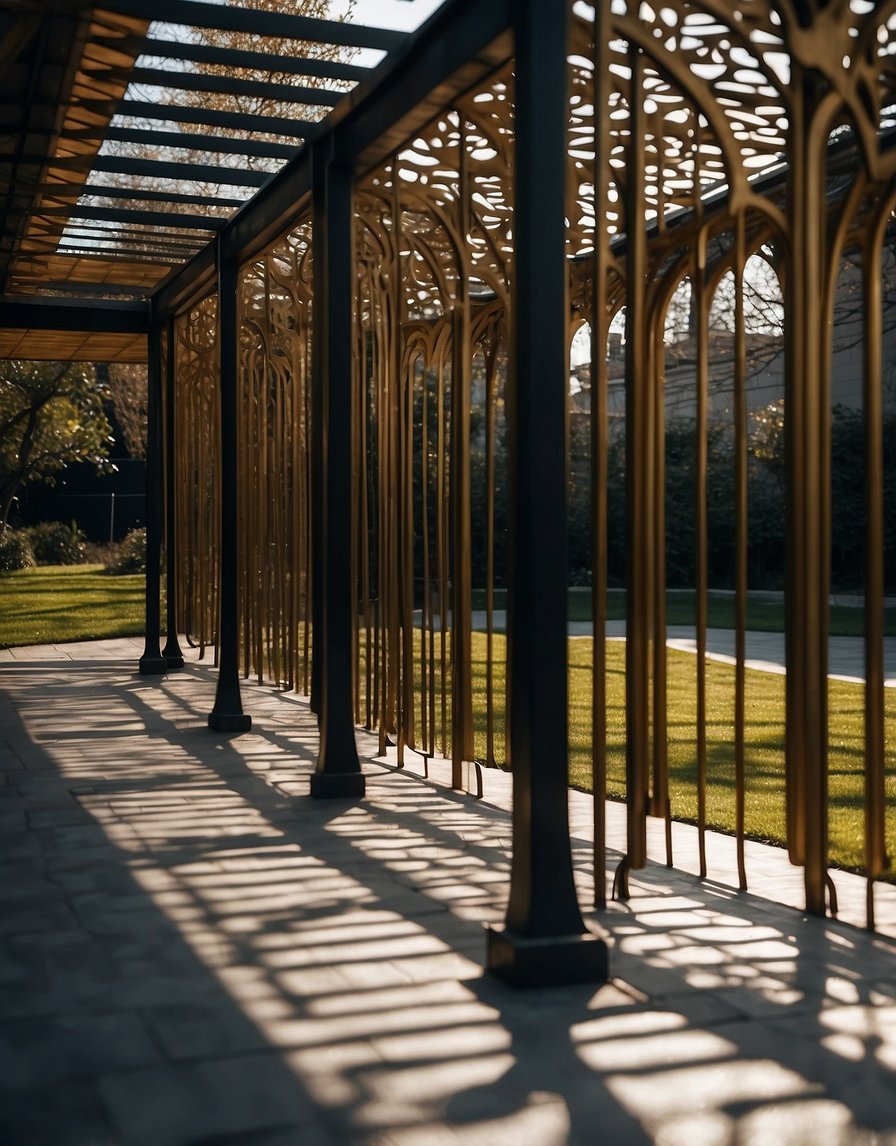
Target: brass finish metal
point(430, 353)
point(197, 472)
point(668, 183)
point(276, 318)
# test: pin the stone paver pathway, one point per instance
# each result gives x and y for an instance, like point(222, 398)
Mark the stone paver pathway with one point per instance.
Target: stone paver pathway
point(193, 953)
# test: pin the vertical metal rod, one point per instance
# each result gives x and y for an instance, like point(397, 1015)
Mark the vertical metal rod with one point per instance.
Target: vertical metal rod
point(660, 805)
point(808, 475)
point(383, 423)
point(875, 792)
point(227, 714)
point(741, 494)
point(700, 314)
point(491, 383)
point(637, 493)
point(152, 662)
point(545, 940)
point(316, 435)
point(359, 547)
point(442, 554)
point(403, 375)
point(338, 770)
point(172, 651)
point(461, 606)
point(391, 474)
point(599, 447)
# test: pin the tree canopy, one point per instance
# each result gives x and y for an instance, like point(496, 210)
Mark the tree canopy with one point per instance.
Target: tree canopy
point(51, 414)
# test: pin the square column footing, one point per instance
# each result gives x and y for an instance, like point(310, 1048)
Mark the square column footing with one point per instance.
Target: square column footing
point(152, 666)
point(337, 785)
point(229, 722)
point(549, 961)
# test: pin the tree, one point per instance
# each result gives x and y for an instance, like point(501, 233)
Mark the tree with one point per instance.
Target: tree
point(51, 414)
point(128, 394)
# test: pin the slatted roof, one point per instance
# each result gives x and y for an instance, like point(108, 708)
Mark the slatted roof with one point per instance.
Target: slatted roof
point(131, 132)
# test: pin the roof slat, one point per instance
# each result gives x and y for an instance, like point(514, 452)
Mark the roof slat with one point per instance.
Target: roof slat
point(258, 22)
point(220, 85)
point(223, 145)
point(209, 117)
point(250, 59)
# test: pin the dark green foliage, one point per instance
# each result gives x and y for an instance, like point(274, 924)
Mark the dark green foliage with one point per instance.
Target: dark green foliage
point(131, 556)
point(15, 550)
point(54, 543)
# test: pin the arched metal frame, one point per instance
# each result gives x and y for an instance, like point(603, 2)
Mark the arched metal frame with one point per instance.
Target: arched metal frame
point(698, 136)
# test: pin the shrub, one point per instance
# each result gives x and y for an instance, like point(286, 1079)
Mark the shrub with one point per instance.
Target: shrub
point(101, 552)
point(54, 543)
point(131, 556)
point(15, 550)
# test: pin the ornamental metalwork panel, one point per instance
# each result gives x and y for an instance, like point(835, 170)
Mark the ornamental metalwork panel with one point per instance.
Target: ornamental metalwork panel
point(275, 327)
point(730, 234)
point(197, 471)
point(433, 240)
point(730, 189)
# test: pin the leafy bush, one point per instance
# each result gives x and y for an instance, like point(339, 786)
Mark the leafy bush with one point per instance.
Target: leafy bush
point(54, 543)
point(131, 556)
point(15, 550)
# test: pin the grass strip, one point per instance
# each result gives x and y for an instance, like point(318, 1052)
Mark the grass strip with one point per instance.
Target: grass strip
point(764, 741)
point(764, 614)
point(56, 603)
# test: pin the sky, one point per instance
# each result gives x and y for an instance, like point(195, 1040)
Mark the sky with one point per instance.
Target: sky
point(403, 15)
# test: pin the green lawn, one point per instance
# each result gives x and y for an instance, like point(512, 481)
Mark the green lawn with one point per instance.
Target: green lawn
point(80, 602)
point(765, 799)
point(69, 603)
point(764, 614)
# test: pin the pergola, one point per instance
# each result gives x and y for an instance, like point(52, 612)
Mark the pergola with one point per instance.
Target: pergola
point(323, 284)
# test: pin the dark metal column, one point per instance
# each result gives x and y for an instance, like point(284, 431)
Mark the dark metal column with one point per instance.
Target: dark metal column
point(807, 409)
point(227, 714)
point(545, 940)
point(172, 651)
point(152, 662)
point(338, 771)
point(319, 161)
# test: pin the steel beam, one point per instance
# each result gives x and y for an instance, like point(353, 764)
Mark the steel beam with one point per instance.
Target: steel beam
point(544, 940)
point(461, 44)
point(220, 85)
point(152, 663)
point(252, 60)
point(66, 314)
point(175, 220)
point(141, 194)
point(227, 714)
point(209, 117)
point(188, 140)
point(338, 770)
point(172, 650)
point(161, 169)
point(258, 22)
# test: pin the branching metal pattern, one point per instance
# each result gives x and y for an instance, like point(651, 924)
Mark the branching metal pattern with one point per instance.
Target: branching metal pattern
point(703, 140)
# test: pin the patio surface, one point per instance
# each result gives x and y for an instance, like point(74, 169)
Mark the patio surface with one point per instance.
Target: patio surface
point(194, 952)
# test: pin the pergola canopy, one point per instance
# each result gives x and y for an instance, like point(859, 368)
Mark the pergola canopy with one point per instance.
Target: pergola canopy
point(137, 131)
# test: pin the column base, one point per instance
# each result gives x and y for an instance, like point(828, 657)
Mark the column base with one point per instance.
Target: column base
point(173, 656)
point(337, 785)
point(552, 961)
point(229, 722)
point(152, 666)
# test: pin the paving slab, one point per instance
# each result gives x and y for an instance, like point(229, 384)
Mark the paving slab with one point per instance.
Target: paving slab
point(194, 953)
